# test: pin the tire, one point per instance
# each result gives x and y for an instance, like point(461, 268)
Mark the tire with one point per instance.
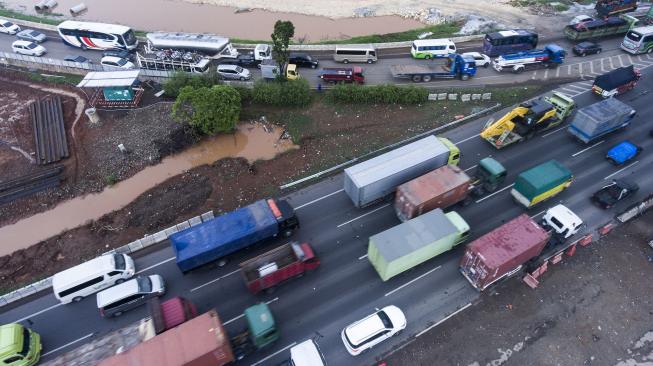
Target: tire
point(598, 52)
point(78, 298)
point(464, 77)
point(119, 281)
point(649, 50)
point(416, 78)
point(486, 65)
point(287, 233)
point(518, 70)
point(427, 57)
point(345, 61)
point(242, 78)
point(426, 78)
point(117, 314)
point(313, 66)
point(222, 262)
point(370, 61)
point(84, 47)
point(270, 290)
point(583, 54)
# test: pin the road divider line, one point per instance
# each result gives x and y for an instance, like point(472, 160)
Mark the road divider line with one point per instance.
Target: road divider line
point(554, 131)
point(362, 257)
point(274, 354)
point(443, 320)
point(319, 199)
point(587, 148)
point(467, 139)
point(495, 193)
point(363, 215)
point(621, 170)
point(38, 313)
point(67, 344)
point(471, 167)
point(156, 265)
point(242, 315)
point(215, 280)
point(538, 214)
point(411, 281)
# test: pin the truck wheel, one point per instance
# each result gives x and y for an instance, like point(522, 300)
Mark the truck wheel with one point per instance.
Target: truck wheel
point(417, 78)
point(345, 61)
point(649, 50)
point(117, 314)
point(287, 233)
point(464, 77)
point(77, 298)
point(270, 290)
point(518, 70)
point(598, 52)
point(222, 262)
point(119, 281)
point(370, 61)
point(427, 57)
point(426, 78)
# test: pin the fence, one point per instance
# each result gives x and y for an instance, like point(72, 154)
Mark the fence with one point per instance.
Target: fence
point(636, 209)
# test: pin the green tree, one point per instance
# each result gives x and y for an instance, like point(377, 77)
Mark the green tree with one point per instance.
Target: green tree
point(284, 30)
point(180, 79)
point(209, 110)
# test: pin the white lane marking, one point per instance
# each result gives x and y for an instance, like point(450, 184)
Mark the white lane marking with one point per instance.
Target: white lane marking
point(443, 320)
point(546, 74)
point(467, 139)
point(592, 67)
point(574, 87)
point(554, 131)
point(538, 214)
point(471, 167)
point(274, 354)
point(585, 83)
point(242, 315)
point(215, 280)
point(611, 64)
point(38, 313)
point(362, 257)
point(497, 192)
point(67, 344)
point(363, 215)
point(621, 62)
point(318, 199)
point(621, 170)
point(587, 148)
point(411, 281)
point(156, 265)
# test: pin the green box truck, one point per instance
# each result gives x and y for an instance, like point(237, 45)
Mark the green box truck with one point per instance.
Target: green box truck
point(540, 183)
point(19, 346)
point(404, 246)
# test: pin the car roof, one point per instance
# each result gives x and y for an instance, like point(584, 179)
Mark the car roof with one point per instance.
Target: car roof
point(22, 42)
point(587, 44)
point(228, 66)
point(361, 330)
point(472, 53)
point(117, 292)
point(101, 264)
point(111, 58)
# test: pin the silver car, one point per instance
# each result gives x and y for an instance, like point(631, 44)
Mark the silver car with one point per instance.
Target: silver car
point(234, 72)
point(31, 35)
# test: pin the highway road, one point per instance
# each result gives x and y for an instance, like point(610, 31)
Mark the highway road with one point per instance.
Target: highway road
point(345, 288)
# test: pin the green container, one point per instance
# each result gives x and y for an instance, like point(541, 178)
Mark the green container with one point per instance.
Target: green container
point(541, 179)
point(404, 246)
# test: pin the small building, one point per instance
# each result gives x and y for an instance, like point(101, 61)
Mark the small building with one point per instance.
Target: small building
point(113, 89)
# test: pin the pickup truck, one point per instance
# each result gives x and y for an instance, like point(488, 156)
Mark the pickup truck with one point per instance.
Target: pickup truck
point(614, 192)
point(343, 75)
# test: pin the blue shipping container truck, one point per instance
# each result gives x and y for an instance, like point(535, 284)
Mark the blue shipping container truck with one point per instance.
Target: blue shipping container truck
point(235, 230)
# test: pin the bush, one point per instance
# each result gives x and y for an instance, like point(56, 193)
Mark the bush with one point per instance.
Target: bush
point(246, 94)
point(282, 93)
point(181, 79)
point(378, 94)
point(209, 110)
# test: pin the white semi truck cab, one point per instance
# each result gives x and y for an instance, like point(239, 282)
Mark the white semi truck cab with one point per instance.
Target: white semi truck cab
point(562, 221)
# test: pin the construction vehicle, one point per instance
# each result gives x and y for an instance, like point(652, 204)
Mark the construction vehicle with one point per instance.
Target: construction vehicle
point(598, 119)
point(551, 55)
point(540, 183)
point(455, 66)
point(527, 119)
point(596, 28)
point(605, 8)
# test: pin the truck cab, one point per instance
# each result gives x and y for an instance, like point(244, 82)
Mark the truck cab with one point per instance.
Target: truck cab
point(454, 151)
point(261, 331)
point(19, 346)
point(489, 175)
point(562, 221)
point(270, 70)
point(463, 66)
point(285, 215)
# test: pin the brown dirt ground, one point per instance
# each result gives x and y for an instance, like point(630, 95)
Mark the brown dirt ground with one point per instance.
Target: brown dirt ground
point(592, 309)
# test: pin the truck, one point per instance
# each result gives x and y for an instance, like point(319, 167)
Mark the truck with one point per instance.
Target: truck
point(528, 119)
point(209, 45)
point(597, 120)
point(216, 238)
point(270, 269)
point(455, 66)
point(616, 82)
point(168, 60)
point(551, 55)
point(373, 180)
point(605, 8)
point(270, 70)
point(342, 75)
point(597, 28)
point(19, 345)
point(415, 241)
point(540, 183)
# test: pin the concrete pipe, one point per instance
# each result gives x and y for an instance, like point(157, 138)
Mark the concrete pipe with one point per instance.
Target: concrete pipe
point(78, 9)
point(92, 115)
point(40, 6)
point(49, 4)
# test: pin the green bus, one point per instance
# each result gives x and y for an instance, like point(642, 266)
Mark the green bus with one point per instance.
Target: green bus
point(638, 40)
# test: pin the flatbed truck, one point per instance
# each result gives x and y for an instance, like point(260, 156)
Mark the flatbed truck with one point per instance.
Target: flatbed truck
point(455, 66)
point(551, 55)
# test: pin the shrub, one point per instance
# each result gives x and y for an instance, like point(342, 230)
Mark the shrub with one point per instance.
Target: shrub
point(181, 79)
point(282, 93)
point(246, 94)
point(209, 110)
point(377, 94)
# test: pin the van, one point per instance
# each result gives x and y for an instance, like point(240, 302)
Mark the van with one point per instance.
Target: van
point(355, 53)
point(19, 346)
point(306, 353)
point(638, 40)
point(117, 299)
point(432, 48)
point(90, 277)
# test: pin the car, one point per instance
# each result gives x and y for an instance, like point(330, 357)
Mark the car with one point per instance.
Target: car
point(580, 19)
point(587, 48)
point(31, 35)
point(8, 27)
point(234, 72)
point(243, 59)
point(609, 195)
point(28, 48)
point(480, 58)
point(117, 52)
point(116, 63)
point(623, 152)
point(79, 59)
point(373, 329)
point(115, 300)
point(302, 60)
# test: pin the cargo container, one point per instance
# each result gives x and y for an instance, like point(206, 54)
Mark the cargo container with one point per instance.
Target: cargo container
point(375, 179)
point(170, 313)
point(501, 252)
point(226, 234)
point(440, 188)
point(599, 119)
point(270, 269)
point(540, 183)
point(407, 245)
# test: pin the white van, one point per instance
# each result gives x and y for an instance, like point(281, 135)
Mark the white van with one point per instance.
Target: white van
point(432, 48)
point(90, 277)
point(355, 53)
point(306, 353)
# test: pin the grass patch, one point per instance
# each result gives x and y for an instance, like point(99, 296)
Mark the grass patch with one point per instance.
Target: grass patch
point(56, 79)
point(6, 13)
point(299, 126)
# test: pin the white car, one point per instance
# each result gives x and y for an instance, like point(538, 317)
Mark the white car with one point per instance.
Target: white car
point(580, 19)
point(27, 48)
point(116, 63)
point(234, 72)
point(374, 329)
point(8, 27)
point(480, 58)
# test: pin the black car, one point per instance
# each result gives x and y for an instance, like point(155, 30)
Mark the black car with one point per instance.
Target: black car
point(117, 53)
point(587, 48)
point(302, 60)
point(80, 59)
point(243, 59)
point(614, 192)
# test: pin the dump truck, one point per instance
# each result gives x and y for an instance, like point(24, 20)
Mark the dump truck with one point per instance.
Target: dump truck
point(216, 238)
point(270, 269)
point(597, 120)
point(605, 8)
point(597, 28)
point(455, 66)
point(373, 180)
point(19, 345)
point(342, 75)
point(528, 119)
point(415, 241)
point(540, 183)
point(551, 55)
point(616, 82)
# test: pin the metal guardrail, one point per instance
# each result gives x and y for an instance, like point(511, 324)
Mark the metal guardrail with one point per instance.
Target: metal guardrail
point(636, 209)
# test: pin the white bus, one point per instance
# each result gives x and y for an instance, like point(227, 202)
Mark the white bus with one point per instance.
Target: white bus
point(211, 45)
point(432, 48)
point(97, 36)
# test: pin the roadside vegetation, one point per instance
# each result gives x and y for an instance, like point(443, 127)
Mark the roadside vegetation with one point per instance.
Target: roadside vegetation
point(51, 19)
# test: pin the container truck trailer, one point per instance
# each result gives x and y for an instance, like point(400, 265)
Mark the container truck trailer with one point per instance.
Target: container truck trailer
point(598, 119)
point(455, 66)
point(540, 183)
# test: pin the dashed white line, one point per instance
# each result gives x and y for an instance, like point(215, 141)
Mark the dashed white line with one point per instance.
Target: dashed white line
point(319, 199)
point(242, 315)
point(274, 354)
point(38, 313)
point(362, 257)
point(554, 131)
point(215, 280)
point(621, 170)
point(538, 214)
point(611, 64)
point(363, 215)
point(587, 148)
point(471, 167)
point(467, 139)
point(443, 320)
point(495, 193)
point(156, 265)
point(67, 344)
point(411, 281)
point(621, 62)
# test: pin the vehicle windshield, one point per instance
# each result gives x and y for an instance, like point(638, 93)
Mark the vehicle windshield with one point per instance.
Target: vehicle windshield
point(121, 62)
point(129, 37)
point(34, 33)
point(144, 284)
point(634, 36)
point(26, 341)
point(31, 46)
point(119, 261)
point(385, 319)
point(7, 24)
point(239, 69)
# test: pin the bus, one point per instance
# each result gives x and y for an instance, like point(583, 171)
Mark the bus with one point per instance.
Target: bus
point(97, 36)
point(510, 41)
point(210, 45)
point(432, 48)
point(638, 40)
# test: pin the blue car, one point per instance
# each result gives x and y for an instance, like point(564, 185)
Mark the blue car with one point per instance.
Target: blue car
point(623, 152)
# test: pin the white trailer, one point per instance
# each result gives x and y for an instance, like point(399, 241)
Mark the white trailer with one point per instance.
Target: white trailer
point(210, 45)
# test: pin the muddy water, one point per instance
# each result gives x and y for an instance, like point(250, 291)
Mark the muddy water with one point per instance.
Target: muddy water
point(251, 141)
point(172, 15)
